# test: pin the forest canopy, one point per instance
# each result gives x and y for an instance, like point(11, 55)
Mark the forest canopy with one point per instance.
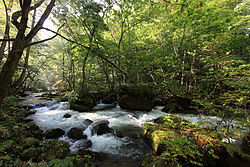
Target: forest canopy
point(183, 47)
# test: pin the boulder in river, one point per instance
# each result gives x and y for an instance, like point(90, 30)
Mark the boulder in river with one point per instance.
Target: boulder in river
point(76, 133)
point(66, 116)
point(87, 122)
point(82, 105)
point(136, 98)
point(101, 127)
point(172, 137)
point(54, 133)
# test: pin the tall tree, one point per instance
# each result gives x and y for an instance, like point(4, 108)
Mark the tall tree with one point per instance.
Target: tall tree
point(21, 41)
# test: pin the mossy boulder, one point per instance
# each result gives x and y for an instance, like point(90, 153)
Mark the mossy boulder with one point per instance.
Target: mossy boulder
point(109, 97)
point(83, 105)
point(176, 139)
point(54, 133)
point(157, 161)
point(54, 149)
point(76, 133)
point(33, 130)
point(31, 154)
point(101, 127)
point(30, 142)
point(136, 98)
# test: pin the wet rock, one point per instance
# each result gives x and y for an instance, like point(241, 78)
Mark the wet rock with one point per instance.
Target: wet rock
point(100, 128)
point(87, 122)
point(94, 155)
point(28, 112)
point(83, 105)
point(132, 132)
point(135, 98)
point(83, 144)
point(76, 133)
point(31, 154)
point(54, 149)
point(67, 116)
point(32, 126)
point(30, 142)
point(33, 130)
point(110, 97)
point(54, 133)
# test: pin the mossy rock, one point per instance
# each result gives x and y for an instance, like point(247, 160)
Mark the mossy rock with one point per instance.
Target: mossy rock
point(174, 138)
point(82, 105)
point(30, 142)
point(54, 149)
point(31, 154)
point(136, 98)
point(157, 161)
point(54, 133)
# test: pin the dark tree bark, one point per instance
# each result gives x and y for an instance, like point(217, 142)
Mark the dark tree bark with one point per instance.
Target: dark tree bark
point(20, 80)
point(20, 43)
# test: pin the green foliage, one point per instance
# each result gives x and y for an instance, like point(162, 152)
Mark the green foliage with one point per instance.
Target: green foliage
point(182, 148)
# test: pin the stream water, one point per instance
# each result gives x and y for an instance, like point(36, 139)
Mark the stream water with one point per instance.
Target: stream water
point(126, 150)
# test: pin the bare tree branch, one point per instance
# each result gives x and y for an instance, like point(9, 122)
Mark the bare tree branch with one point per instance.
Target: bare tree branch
point(39, 24)
point(86, 47)
point(57, 32)
point(18, 14)
point(10, 39)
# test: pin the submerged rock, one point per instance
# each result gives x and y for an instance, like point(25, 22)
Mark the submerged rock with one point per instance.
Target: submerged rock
point(76, 133)
point(67, 116)
point(101, 127)
point(87, 122)
point(54, 133)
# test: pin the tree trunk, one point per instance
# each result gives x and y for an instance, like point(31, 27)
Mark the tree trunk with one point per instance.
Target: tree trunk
point(20, 80)
point(10, 67)
point(20, 43)
point(7, 29)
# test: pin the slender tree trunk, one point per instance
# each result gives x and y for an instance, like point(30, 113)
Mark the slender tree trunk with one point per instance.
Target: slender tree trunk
point(7, 28)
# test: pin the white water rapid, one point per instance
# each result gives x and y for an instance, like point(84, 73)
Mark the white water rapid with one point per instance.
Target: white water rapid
point(126, 125)
point(125, 142)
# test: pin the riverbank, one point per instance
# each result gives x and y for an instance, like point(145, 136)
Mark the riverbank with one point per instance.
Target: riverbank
point(23, 144)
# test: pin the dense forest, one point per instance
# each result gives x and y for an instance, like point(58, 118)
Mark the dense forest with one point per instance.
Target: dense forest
point(191, 57)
